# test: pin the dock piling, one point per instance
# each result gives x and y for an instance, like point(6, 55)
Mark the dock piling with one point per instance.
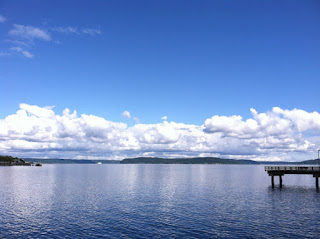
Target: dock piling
point(282, 170)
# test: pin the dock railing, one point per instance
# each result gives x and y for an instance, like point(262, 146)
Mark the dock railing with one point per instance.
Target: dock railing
point(293, 168)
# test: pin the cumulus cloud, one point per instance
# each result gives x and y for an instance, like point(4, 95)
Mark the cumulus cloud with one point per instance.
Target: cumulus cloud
point(2, 19)
point(277, 122)
point(126, 114)
point(29, 32)
point(164, 133)
point(35, 131)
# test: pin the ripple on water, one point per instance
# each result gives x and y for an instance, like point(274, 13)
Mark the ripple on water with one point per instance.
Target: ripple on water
point(154, 201)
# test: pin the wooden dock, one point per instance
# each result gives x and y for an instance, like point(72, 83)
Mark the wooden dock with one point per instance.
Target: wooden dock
point(282, 170)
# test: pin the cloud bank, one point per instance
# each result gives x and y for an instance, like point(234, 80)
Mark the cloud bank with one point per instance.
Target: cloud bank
point(35, 131)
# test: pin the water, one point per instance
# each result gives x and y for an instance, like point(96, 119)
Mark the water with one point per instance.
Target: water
point(155, 201)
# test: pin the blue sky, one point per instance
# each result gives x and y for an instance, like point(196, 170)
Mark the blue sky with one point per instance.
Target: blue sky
point(187, 60)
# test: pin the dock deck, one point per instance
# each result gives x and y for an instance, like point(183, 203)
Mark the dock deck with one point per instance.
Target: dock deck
point(282, 170)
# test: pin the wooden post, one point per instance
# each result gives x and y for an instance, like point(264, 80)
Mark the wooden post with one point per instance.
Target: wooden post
point(317, 182)
point(272, 181)
point(280, 181)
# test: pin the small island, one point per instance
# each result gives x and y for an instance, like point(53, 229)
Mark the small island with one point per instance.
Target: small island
point(12, 161)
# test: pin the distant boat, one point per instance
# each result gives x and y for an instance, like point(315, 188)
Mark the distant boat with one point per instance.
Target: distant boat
point(99, 163)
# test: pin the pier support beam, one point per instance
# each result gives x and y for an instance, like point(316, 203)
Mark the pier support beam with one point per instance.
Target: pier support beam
point(281, 171)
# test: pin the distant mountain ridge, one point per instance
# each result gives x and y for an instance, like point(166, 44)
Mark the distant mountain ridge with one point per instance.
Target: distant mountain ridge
point(200, 160)
point(204, 160)
point(157, 160)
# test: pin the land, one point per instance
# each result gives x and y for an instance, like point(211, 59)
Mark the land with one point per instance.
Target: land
point(71, 161)
point(10, 161)
point(200, 160)
point(206, 160)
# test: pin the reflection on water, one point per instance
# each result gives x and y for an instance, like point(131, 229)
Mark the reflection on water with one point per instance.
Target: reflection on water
point(145, 201)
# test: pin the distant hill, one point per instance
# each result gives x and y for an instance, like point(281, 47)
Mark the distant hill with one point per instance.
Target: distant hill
point(151, 160)
point(204, 160)
point(311, 161)
point(70, 161)
point(200, 160)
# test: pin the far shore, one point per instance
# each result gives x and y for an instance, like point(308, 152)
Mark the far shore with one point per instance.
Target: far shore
point(154, 160)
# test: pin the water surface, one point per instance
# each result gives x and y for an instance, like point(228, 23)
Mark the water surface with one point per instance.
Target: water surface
point(155, 201)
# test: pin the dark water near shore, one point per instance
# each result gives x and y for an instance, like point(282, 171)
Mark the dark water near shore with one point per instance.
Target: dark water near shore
point(155, 201)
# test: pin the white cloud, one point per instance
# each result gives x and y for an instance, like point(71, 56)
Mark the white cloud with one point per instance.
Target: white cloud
point(76, 30)
point(29, 32)
point(17, 42)
point(3, 53)
point(26, 36)
point(91, 31)
point(27, 54)
point(164, 118)
point(23, 52)
point(155, 133)
point(302, 120)
point(137, 120)
point(275, 135)
point(274, 123)
point(50, 107)
point(126, 114)
point(2, 19)
point(66, 29)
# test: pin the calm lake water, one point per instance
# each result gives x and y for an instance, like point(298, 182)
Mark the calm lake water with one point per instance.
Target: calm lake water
point(155, 201)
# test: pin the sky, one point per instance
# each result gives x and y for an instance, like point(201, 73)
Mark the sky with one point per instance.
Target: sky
point(114, 79)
